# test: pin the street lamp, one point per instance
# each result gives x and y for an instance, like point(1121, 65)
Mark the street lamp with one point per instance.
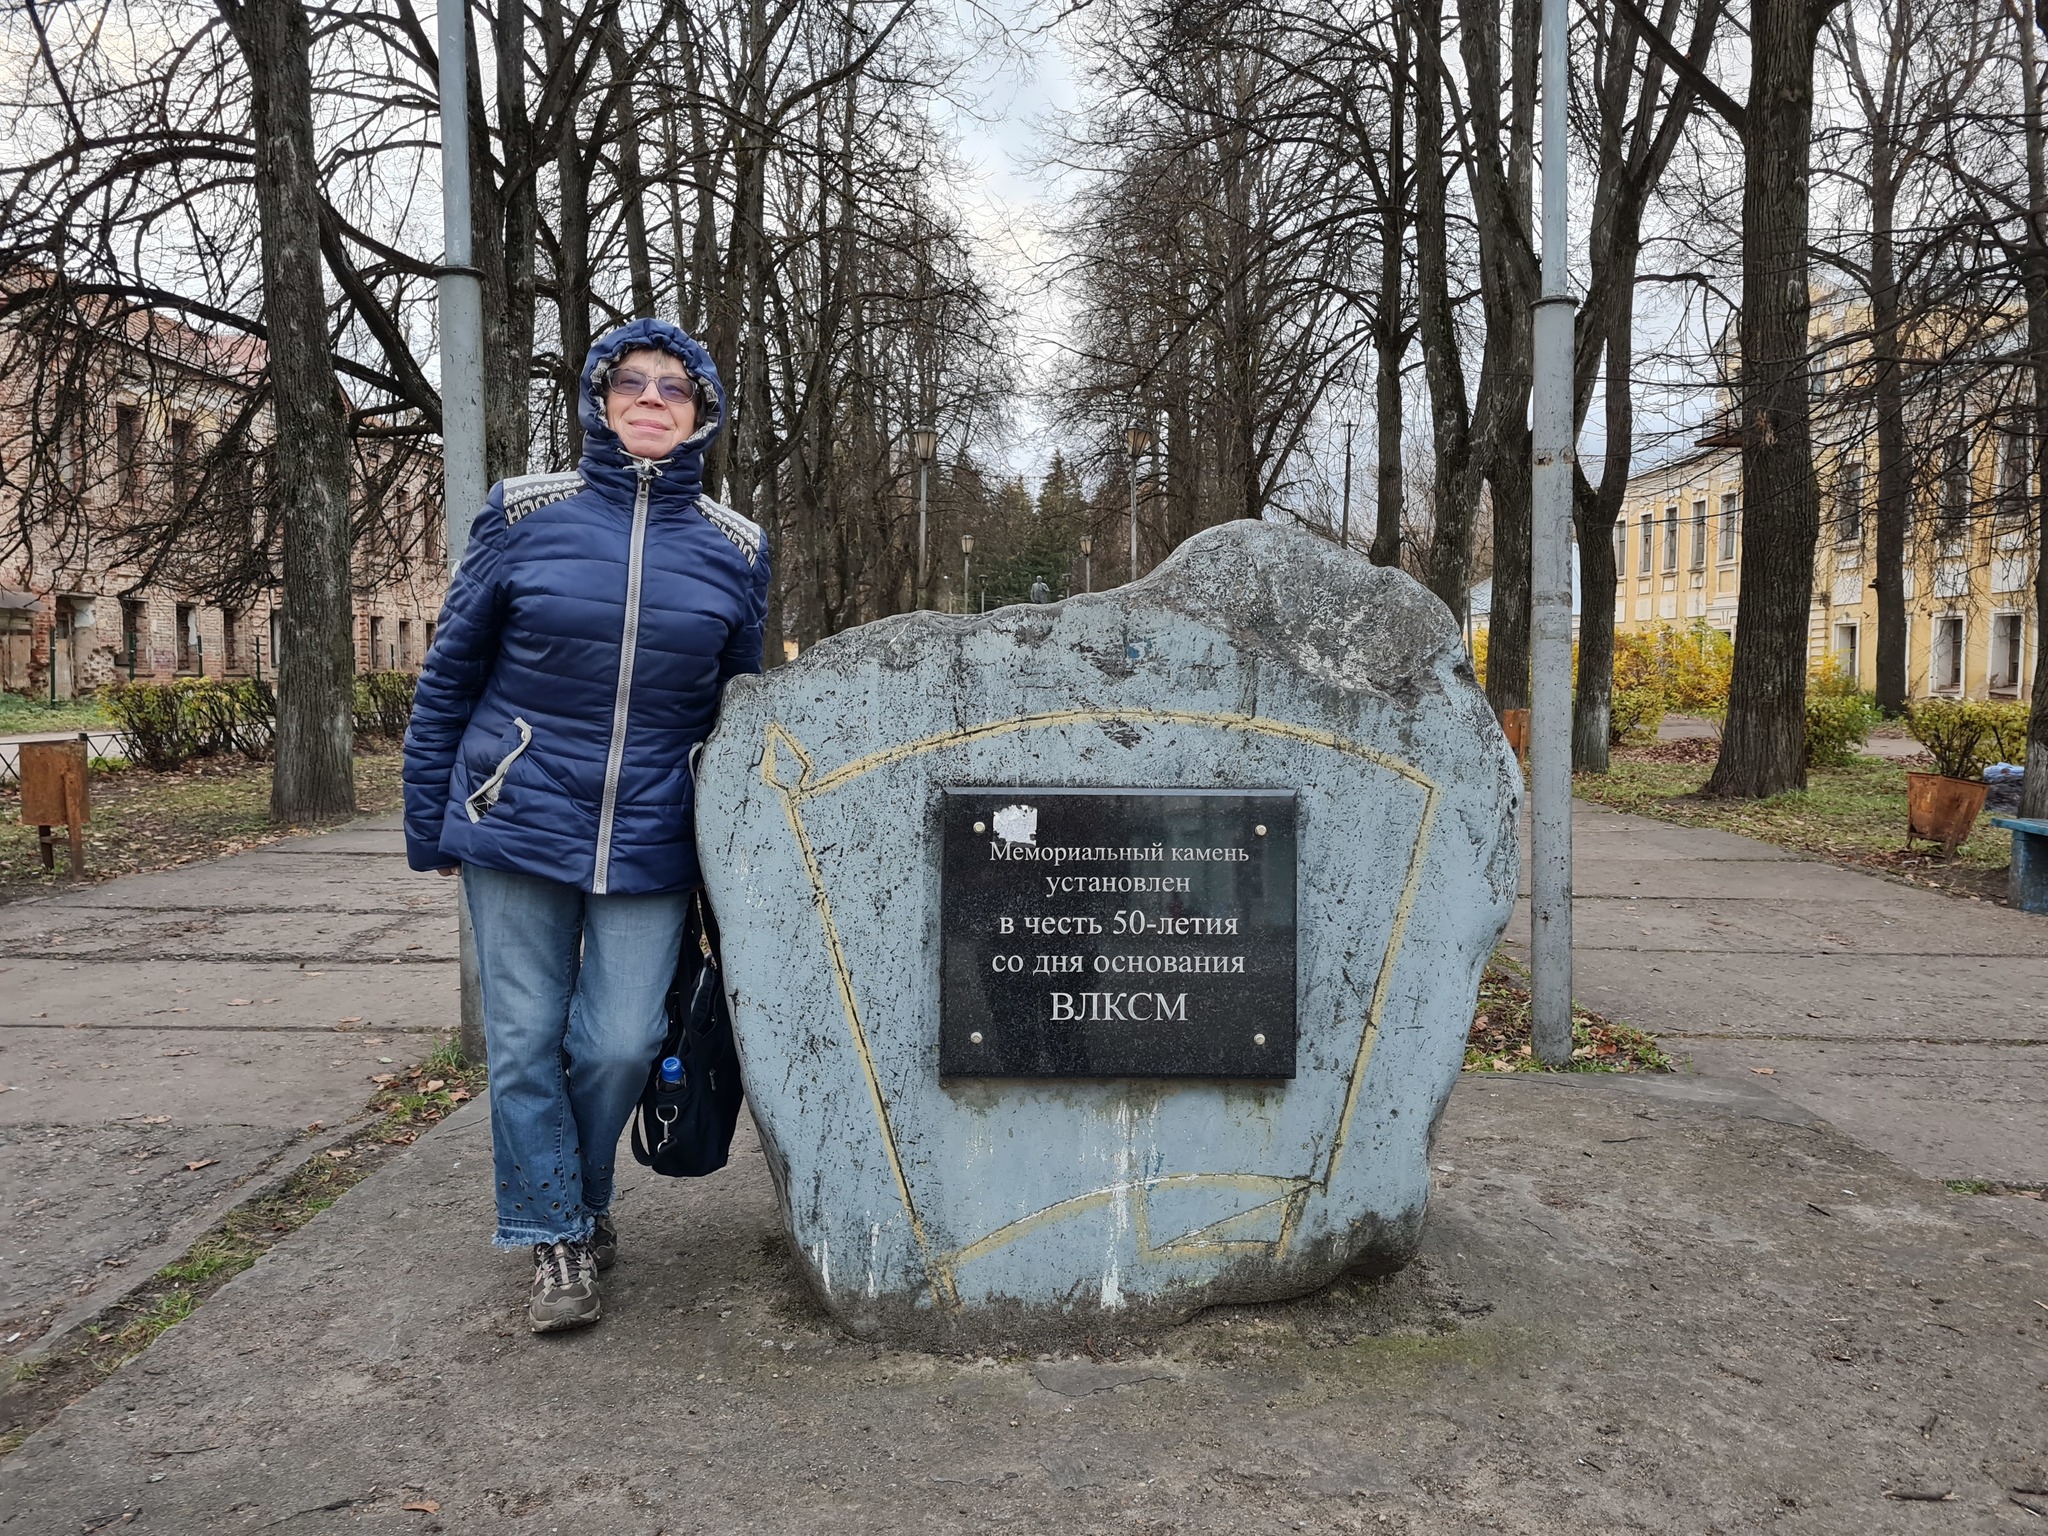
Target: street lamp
point(1087, 562)
point(924, 442)
point(1139, 438)
point(966, 568)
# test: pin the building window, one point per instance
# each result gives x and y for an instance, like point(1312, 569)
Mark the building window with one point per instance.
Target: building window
point(1671, 538)
point(379, 662)
point(188, 638)
point(1620, 548)
point(1955, 485)
point(128, 451)
point(276, 636)
point(1649, 543)
point(2015, 469)
point(1945, 662)
point(231, 657)
point(2006, 632)
point(1731, 520)
point(405, 657)
point(1846, 655)
point(1849, 504)
point(1699, 535)
point(131, 635)
point(181, 463)
point(430, 640)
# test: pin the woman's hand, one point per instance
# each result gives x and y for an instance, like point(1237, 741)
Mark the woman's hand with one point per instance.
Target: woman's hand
point(452, 869)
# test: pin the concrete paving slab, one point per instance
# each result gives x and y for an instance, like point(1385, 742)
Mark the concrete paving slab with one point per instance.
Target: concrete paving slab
point(197, 994)
point(1993, 1122)
point(1722, 924)
point(1640, 1307)
point(224, 1006)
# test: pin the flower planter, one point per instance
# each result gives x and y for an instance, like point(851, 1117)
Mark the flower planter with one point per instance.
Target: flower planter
point(1941, 809)
point(1515, 722)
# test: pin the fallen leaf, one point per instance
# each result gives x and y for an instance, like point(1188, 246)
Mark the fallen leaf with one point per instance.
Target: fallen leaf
point(435, 1084)
point(1765, 1071)
point(423, 1507)
point(204, 1162)
point(354, 1018)
point(313, 1127)
point(238, 1002)
point(337, 1153)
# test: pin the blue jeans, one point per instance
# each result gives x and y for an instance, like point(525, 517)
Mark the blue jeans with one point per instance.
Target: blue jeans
point(573, 988)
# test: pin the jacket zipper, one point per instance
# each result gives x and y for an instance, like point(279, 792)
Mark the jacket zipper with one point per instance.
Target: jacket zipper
point(480, 803)
point(622, 700)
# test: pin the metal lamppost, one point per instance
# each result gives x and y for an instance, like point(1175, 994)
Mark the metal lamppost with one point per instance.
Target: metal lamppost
point(1139, 440)
point(1087, 562)
point(1550, 589)
point(966, 568)
point(924, 442)
point(462, 400)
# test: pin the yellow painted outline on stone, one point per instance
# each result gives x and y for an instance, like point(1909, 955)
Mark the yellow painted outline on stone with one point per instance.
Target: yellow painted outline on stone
point(1203, 1241)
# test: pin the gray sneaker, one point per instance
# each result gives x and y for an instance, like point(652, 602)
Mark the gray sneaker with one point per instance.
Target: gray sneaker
point(564, 1291)
point(604, 1242)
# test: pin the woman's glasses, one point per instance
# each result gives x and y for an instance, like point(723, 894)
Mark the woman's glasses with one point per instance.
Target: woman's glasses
point(632, 383)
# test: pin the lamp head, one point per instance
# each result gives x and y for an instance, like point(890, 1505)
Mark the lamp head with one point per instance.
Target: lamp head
point(966, 543)
point(924, 442)
point(1087, 544)
point(1140, 440)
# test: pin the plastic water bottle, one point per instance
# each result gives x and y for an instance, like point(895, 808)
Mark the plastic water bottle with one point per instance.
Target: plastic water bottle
point(671, 1071)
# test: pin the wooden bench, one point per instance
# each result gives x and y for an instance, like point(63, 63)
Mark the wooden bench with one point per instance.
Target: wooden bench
point(2029, 861)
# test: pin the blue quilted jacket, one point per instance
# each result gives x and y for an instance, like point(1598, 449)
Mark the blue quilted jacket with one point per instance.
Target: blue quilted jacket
point(579, 658)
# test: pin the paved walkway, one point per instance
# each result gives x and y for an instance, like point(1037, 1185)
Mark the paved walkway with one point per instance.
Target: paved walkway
point(1914, 1021)
point(203, 1015)
point(1679, 1304)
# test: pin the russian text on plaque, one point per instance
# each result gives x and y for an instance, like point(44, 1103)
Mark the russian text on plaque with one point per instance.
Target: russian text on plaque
point(1117, 933)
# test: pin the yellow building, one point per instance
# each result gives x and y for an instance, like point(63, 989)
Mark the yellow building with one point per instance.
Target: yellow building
point(1970, 551)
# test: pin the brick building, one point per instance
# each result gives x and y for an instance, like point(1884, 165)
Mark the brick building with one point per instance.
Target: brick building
point(134, 539)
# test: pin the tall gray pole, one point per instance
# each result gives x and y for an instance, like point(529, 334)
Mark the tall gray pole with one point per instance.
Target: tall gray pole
point(1550, 589)
point(462, 392)
point(923, 601)
point(1344, 532)
point(1134, 517)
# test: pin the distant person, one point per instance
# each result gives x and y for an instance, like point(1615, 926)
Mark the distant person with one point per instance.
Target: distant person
point(1040, 592)
point(587, 636)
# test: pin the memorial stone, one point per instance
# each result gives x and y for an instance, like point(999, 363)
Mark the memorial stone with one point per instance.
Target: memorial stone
point(1097, 962)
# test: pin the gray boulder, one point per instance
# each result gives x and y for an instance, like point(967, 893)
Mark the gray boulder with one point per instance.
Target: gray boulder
point(974, 1210)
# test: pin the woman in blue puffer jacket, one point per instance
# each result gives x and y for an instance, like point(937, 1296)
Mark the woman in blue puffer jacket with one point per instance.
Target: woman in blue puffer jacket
point(579, 660)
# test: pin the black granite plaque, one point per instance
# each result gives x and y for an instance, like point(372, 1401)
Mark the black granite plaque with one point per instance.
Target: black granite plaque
point(1117, 933)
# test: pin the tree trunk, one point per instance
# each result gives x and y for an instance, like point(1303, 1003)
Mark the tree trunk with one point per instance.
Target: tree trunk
point(632, 188)
point(1448, 569)
point(1390, 334)
point(315, 774)
point(2034, 276)
point(1502, 165)
point(1763, 747)
point(572, 276)
point(505, 251)
point(1894, 474)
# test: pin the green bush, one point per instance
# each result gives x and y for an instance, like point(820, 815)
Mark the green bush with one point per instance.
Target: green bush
point(1635, 713)
point(384, 703)
point(1953, 732)
point(168, 724)
point(2005, 729)
point(1837, 725)
point(154, 720)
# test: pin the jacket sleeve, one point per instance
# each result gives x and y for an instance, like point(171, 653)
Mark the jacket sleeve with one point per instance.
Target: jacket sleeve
point(742, 651)
point(452, 678)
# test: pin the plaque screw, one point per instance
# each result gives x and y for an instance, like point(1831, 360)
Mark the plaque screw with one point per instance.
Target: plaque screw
point(1259, 830)
point(1258, 1039)
point(981, 826)
point(976, 1037)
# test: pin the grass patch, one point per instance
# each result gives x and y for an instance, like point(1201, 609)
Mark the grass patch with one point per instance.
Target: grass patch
point(1996, 1187)
point(143, 820)
point(1499, 1037)
point(404, 1105)
point(1855, 816)
point(21, 715)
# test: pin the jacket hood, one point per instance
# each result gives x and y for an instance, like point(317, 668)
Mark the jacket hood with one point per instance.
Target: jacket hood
point(605, 463)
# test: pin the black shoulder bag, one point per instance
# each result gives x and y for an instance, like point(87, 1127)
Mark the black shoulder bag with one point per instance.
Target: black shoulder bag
point(684, 1125)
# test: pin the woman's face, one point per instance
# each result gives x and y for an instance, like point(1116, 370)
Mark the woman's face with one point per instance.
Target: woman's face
point(650, 403)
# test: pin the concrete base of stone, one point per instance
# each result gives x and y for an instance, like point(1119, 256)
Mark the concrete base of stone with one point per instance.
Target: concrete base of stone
point(1670, 1305)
